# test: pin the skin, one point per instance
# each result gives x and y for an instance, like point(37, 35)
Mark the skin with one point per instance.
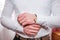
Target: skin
point(28, 21)
point(31, 30)
point(26, 18)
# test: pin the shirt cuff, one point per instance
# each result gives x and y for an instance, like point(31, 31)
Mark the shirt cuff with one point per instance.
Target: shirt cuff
point(41, 19)
point(19, 27)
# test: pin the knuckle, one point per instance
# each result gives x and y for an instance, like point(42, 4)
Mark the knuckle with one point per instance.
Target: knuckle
point(24, 23)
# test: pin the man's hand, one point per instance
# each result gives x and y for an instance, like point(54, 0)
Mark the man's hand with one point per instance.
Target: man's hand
point(32, 30)
point(26, 18)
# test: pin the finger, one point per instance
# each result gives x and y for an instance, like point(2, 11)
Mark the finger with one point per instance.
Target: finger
point(33, 28)
point(19, 16)
point(27, 31)
point(37, 26)
point(23, 20)
point(30, 33)
point(20, 20)
point(25, 23)
point(30, 30)
point(33, 31)
point(28, 22)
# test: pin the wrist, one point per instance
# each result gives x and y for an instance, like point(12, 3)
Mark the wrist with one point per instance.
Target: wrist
point(35, 18)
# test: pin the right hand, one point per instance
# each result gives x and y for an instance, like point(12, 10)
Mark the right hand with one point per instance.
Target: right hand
point(26, 18)
point(32, 30)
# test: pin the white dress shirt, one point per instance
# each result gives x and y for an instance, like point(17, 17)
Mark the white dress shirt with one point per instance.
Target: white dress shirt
point(42, 8)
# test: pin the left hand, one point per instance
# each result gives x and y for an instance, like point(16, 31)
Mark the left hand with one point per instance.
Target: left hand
point(26, 18)
point(31, 30)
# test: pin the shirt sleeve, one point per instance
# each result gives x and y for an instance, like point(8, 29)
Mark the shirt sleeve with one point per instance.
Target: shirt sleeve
point(6, 19)
point(46, 17)
point(52, 21)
